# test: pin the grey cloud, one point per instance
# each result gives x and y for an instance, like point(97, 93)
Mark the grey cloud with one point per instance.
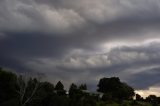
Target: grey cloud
point(29, 16)
point(62, 16)
point(102, 11)
point(146, 79)
point(68, 40)
point(130, 63)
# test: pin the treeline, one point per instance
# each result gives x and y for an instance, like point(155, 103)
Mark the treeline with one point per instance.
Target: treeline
point(152, 99)
point(24, 90)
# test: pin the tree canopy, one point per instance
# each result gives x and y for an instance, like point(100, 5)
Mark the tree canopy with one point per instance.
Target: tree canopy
point(116, 88)
point(59, 86)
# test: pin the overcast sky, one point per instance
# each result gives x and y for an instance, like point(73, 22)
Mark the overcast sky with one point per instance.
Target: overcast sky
point(82, 41)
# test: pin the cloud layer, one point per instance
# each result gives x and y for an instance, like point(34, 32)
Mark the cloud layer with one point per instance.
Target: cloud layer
point(83, 40)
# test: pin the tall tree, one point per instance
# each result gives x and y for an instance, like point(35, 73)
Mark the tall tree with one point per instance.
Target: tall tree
point(7, 86)
point(83, 87)
point(44, 94)
point(139, 98)
point(26, 88)
point(59, 89)
point(108, 84)
point(73, 90)
point(115, 87)
point(59, 86)
point(152, 99)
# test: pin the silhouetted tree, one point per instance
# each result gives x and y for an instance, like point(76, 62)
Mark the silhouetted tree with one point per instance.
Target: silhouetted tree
point(27, 88)
point(44, 95)
point(115, 87)
point(60, 89)
point(7, 87)
point(59, 86)
point(83, 87)
point(73, 90)
point(108, 84)
point(139, 98)
point(152, 99)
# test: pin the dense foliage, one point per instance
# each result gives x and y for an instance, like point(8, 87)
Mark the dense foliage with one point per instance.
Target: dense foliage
point(115, 88)
point(24, 90)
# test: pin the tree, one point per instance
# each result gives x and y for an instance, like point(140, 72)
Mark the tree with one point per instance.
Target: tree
point(72, 89)
point(27, 88)
point(125, 92)
point(59, 86)
point(7, 86)
point(108, 84)
point(116, 88)
point(152, 99)
point(46, 86)
point(83, 87)
point(60, 89)
point(44, 94)
point(139, 98)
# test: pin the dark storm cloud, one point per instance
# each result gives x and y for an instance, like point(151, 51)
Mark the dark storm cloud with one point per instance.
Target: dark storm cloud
point(62, 16)
point(71, 40)
point(146, 79)
point(130, 63)
point(32, 44)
